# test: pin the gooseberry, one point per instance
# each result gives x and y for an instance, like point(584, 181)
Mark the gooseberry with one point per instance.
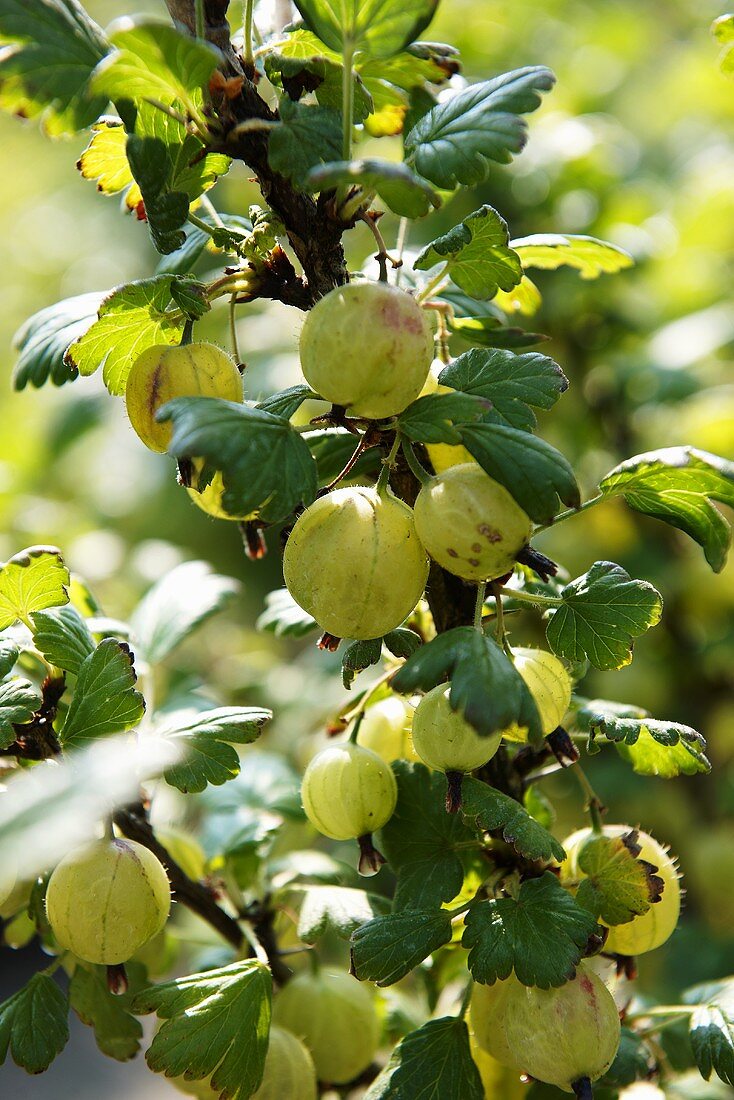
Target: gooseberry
point(548, 682)
point(354, 562)
point(561, 1036)
point(348, 791)
point(386, 729)
point(651, 929)
point(289, 1069)
point(163, 372)
point(470, 524)
point(444, 739)
point(367, 346)
point(335, 1017)
point(106, 899)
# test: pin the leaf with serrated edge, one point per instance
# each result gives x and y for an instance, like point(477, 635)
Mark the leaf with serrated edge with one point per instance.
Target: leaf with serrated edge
point(711, 1027)
point(652, 746)
point(176, 605)
point(618, 886)
point(63, 637)
point(104, 161)
point(677, 485)
point(490, 810)
point(533, 472)
point(602, 613)
point(387, 948)
point(19, 700)
point(340, 909)
point(433, 1062)
point(34, 1047)
point(420, 840)
point(287, 402)
point(131, 319)
point(587, 255)
point(541, 935)
point(46, 69)
point(32, 580)
point(205, 742)
point(485, 685)
point(42, 341)
point(431, 419)
point(9, 652)
point(512, 383)
point(457, 140)
point(359, 656)
point(477, 253)
point(105, 700)
point(266, 465)
point(215, 1025)
point(116, 1030)
point(305, 137)
point(153, 60)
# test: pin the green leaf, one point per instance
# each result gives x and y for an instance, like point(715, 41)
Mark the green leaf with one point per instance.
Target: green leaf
point(197, 243)
point(378, 28)
point(32, 580)
point(333, 447)
point(477, 255)
point(485, 685)
point(19, 701)
point(153, 60)
point(723, 29)
point(632, 1062)
point(34, 1024)
point(63, 637)
point(287, 402)
point(43, 339)
point(513, 383)
point(618, 886)
point(130, 319)
point(525, 298)
point(589, 256)
point(541, 935)
point(420, 840)
point(402, 642)
point(653, 747)
point(175, 606)
point(677, 485)
point(489, 332)
point(387, 948)
point(266, 466)
point(602, 612)
point(491, 811)
point(431, 419)
point(9, 652)
point(283, 617)
point(215, 1024)
point(458, 139)
point(712, 1028)
point(401, 190)
point(191, 297)
point(105, 700)
point(434, 1061)
point(52, 48)
point(358, 656)
point(338, 909)
point(206, 741)
point(532, 471)
point(305, 137)
point(116, 1031)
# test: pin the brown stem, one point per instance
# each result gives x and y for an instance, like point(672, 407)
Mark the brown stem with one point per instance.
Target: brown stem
point(133, 822)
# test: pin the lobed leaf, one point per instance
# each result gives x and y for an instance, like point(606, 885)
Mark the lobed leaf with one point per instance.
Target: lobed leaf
point(387, 948)
point(32, 580)
point(514, 384)
point(305, 136)
point(618, 886)
point(205, 742)
point(677, 485)
point(63, 637)
point(711, 1028)
point(431, 419)
point(34, 1024)
point(105, 701)
point(41, 342)
point(477, 255)
point(434, 1061)
point(457, 140)
point(116, 1031)
point(602, 612)
point(487, 809)
point(587, 255)
point(541, 935)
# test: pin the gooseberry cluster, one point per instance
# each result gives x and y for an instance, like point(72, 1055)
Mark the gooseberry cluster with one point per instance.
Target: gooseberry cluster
point(357, 561)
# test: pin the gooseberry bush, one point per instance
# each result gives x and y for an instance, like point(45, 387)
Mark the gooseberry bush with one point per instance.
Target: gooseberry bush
point(411, 505)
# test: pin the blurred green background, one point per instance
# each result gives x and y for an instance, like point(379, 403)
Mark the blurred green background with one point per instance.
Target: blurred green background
point(634, 146)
